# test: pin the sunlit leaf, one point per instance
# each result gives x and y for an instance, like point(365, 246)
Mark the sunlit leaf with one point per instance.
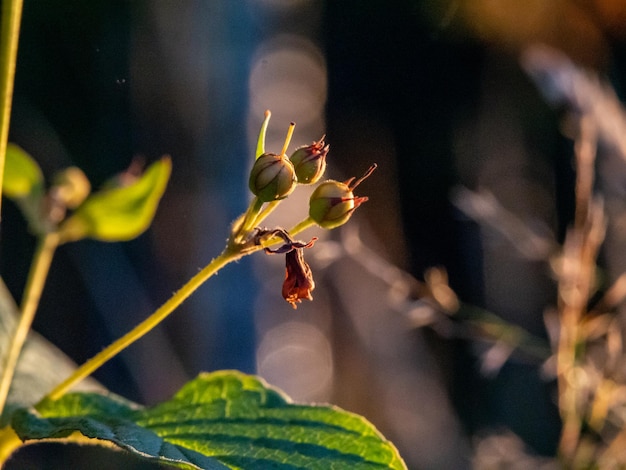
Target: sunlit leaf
point(22, 175)
point(220, 420)
point(121, 213)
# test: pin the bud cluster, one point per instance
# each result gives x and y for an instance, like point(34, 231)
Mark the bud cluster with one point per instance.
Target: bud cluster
point(274, 177)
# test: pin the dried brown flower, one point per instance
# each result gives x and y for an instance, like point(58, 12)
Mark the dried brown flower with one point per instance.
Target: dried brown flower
point(298, 282)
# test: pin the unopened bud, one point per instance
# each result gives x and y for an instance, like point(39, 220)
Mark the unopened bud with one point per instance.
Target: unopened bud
point(332, 203)
point(310, 161)
point(71, 187)
point(272, 177)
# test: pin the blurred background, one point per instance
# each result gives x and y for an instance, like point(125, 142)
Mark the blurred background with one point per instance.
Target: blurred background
point(431, 90)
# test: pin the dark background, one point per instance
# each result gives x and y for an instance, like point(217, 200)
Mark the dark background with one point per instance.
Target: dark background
point(431, 91)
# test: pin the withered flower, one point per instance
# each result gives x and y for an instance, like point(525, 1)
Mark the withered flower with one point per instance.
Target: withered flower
point(298, 282)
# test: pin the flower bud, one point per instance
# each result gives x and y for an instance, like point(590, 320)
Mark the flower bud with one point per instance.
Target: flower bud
point(332, 203)
point(272, 177)
point(71, 187)
point(309, 161)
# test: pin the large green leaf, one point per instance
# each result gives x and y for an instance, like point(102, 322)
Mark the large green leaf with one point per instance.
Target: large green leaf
point(219, 420)
point(120, 213)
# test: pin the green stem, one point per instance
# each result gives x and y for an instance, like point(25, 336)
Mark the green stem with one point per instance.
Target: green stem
point(9, 37)
point(296, 229)
point(301, 226)
point(230, 254)
point(32, 293)
point(265, 212)
point(9, 443)
point(249, 219)
point(146, 326)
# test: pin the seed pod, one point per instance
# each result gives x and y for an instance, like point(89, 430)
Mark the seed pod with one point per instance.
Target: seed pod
point(272, 177)
point(310, 161)
point(332, 203)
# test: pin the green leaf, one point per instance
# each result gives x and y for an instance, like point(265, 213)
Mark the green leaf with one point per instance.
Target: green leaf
point(219, 420)
point(22, 175)
point(23, 182)
point(120, 213)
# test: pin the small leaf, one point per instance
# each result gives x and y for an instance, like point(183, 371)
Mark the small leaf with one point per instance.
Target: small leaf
point(120, 213)
point(219, 420)
point(23, 182)
point(22, 175)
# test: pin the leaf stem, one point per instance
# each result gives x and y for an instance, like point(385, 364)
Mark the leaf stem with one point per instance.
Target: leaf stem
point(32, 294)
point(146, 326)
point(9, 38)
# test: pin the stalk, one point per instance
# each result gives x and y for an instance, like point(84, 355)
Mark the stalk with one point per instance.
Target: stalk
point(9, 443)
point(9, 38)
point(249, 219)
point(32, 294)
point(229, 255)
point(145, 326)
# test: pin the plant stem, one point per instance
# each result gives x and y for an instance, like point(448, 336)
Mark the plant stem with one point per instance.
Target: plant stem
point(265, 212)
point(293, 231)
point(301, 226)
point(32, 293)
point(9, 443)
point(9, 37)
point(230, 254)
point(248, 220)
point(146, 326)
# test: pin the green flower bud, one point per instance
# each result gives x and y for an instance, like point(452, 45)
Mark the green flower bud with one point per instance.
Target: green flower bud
point(332, 203)
point(310, 161)
point(70, 187)
point(272, 177)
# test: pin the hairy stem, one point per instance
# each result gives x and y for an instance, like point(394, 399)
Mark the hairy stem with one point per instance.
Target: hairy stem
point(301, 226)
point(32, 293)
point(265, 212)
point(9, 36)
